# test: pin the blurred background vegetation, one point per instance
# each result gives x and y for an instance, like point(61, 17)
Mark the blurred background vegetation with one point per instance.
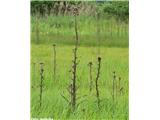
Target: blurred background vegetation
point(53, 22)
point(117, 9)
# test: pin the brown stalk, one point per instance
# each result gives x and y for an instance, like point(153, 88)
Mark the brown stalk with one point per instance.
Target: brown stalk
point(74, 66)
point(90, 75)
point(97, 78)
point(121, 89)
point(113, 88)
point(41, 82)
point(54, 62)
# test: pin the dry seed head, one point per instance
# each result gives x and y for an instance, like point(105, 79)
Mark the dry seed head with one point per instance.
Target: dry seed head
point(83, 110)
point(114, 74)
point(75, 11)
point(99, 58)
point(90, 63)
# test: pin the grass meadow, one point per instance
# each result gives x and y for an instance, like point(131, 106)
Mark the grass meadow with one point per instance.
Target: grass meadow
point(114, 54)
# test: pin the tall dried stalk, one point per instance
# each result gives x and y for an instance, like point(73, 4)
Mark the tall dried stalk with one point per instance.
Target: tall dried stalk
point(54, 61)
point(113, 93)
point(97, 78)
point(116, 88)
point(120, 87)
point(74, 66)
point(90, 76)
point(41, 82)
point(72, 89)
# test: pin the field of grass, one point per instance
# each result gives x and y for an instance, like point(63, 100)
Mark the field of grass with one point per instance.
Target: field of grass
point(114, 57)
point(60, 30)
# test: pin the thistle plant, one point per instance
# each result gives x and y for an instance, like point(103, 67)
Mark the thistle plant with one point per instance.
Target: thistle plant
point(54, 62)
point(97, 78)
point(121, 89)
point(113, 91)
point(41, 83)
point(90, 76)
point(75, 63)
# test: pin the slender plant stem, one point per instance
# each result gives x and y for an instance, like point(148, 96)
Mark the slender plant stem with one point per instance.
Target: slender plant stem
point(54, 62)
point(113, 94)
point(41, 82)
point(74, 67)
point(97, 78)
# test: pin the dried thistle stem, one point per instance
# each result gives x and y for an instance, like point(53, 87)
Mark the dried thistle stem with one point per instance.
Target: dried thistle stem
point(54, 61)
point(97, 78)
point(41, 82)
point(113, 93)
point(74, 67)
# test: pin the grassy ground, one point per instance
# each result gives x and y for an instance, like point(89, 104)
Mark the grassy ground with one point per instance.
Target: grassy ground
point(60, 30)
point(114, 56)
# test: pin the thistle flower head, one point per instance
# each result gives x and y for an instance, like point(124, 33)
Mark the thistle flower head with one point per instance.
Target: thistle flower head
point(75, 11)
point(54, 45)
point(41, 63)
point(99, 58)
point(90, 63)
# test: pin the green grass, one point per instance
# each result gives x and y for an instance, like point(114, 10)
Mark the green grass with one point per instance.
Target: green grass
point(112, 33)
point(53, 105)
point(114, 54)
